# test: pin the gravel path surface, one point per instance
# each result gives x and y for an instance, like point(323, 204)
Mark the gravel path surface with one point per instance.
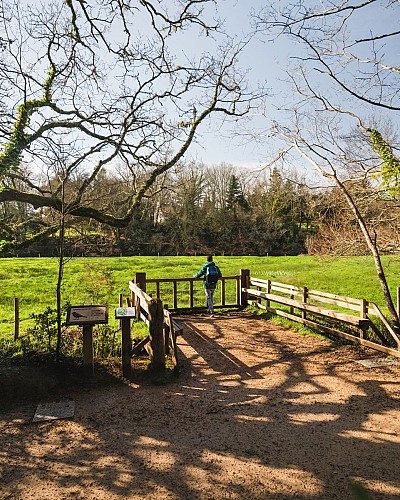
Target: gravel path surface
point(258, 412)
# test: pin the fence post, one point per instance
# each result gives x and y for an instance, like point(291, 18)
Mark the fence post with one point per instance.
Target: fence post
point(156, 328)
point(16, 318)
point(167, 329)
point(140, 279)
point(191, 294)
point(398, 301)
point(244, 283)
point(88, 358)
point(126, 346)
point(268, 302)
point(363, 314)
point(222, 292)
point(175, 294)
point(304, 299)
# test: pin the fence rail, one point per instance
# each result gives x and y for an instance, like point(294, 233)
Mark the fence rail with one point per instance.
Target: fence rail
point(292, 299)
point(191, 296)
point(162, 331)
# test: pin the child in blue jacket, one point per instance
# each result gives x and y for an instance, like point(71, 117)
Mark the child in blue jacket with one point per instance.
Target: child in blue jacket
point(211, 273)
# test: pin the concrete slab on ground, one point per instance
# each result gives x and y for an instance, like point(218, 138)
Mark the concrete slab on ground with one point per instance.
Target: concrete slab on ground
point(54, 411)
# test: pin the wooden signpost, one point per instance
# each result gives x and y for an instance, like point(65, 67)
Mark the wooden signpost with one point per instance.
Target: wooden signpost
point(87, 317)
point(124, 314)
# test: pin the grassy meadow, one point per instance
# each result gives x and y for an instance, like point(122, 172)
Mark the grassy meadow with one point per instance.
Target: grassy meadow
point(99, 280)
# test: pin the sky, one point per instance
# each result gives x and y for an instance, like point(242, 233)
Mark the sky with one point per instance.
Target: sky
point(266, 62)
point(260, 61)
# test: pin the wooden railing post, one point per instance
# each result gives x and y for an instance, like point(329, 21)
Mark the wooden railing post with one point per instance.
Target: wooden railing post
point(268, 302)
point(363, 314)
point(398, 301)
point(258, 288)
point(140, 279)
point(156, 328)
point(167, 328)
point(304, 295)
point(126, 346)
point(223, 292)
point(244, 283)
point(191, 294)
point(175, 294)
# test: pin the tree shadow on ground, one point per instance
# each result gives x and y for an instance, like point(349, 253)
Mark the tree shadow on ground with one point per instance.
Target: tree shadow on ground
point(244, 420)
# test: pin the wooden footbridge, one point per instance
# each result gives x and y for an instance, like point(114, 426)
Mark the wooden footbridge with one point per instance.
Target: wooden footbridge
point(157, 300)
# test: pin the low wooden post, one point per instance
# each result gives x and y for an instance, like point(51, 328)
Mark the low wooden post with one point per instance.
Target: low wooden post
point(244, 283)
point(175, 294)
point(174, 351)
point(268, 302)
point(167, 328)
point(191, 294)
point(16, 318)
point(126, 346)
point(304, 295)
point(156, 328)
point(140, 279)
point(238, 290)
point(363, 314)
point(88, 358)
point(398, 301)
point(223, 294)
point(120, 303)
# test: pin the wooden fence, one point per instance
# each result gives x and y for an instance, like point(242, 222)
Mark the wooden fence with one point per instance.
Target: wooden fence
point(162, 332)
point(328, 312)
point(183, 294)
point(187, 294)
point(357, 320)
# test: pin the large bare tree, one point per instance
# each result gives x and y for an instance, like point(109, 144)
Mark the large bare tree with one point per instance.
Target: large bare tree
point(345, 83)
point(106, 84)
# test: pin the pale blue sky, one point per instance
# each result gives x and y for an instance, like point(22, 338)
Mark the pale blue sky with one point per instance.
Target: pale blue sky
point(266, 62)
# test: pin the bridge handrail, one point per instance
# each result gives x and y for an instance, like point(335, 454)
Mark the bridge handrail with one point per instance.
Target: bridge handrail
point(241, 281)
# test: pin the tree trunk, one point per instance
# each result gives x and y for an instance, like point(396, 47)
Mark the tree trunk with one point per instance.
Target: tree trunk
point(61, 249)
point(375, 254)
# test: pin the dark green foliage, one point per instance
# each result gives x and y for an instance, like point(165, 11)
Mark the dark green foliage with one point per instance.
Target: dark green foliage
point(390, 168)
point(235, 197)
point(42, 338)
point(195, 211)
point(43, 335)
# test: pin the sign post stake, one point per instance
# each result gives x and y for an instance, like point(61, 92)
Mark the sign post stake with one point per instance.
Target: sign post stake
point(88, 358)
point(87, 317)
point(126, 347)
point(124, 314)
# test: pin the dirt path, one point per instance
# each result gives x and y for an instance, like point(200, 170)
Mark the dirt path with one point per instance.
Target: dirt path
point(258, 412)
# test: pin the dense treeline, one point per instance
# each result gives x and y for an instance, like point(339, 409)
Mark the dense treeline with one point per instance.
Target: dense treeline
point(220, 209)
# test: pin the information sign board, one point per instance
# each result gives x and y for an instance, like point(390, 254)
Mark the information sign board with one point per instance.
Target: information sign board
point(87, 315)
point(125, 312)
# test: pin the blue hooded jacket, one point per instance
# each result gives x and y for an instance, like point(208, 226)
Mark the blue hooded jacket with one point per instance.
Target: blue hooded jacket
point(202, 272)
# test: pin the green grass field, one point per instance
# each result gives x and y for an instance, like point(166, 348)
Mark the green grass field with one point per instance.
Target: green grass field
point(100, 280)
